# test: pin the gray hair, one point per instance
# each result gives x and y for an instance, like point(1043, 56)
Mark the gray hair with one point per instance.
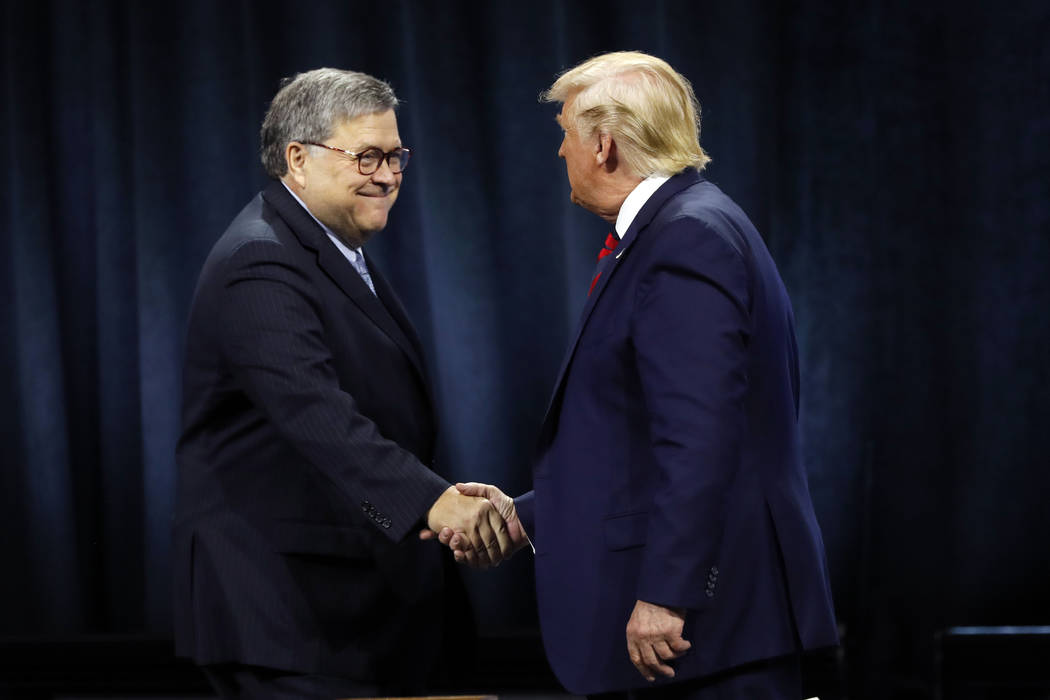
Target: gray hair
point(311, 105)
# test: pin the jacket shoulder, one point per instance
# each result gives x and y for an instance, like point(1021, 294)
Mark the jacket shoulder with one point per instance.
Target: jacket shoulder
point(256, 222)
point(703, 210)
point(256, 232)
point(256, 235)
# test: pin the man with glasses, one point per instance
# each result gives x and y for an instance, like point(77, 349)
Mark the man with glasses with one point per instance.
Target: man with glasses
point(308, 429)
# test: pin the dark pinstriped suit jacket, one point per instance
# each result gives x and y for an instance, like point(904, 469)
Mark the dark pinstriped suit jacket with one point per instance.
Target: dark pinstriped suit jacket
point(303, 477)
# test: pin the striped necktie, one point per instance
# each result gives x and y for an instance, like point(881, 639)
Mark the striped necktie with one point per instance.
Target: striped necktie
point(358, 261)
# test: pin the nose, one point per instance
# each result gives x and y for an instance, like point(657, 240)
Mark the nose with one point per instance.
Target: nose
point(561, 149)
point(384, 174)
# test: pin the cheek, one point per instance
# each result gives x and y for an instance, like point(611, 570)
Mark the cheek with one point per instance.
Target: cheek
point(571, 169)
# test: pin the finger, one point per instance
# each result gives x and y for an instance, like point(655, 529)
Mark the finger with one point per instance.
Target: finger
point(635, 654)
point(680, 645)
point(664, 651)
point(481, 559)
point(488, 535)
point(428, 535)
point(480, 530)
point(503, 538)
point(472, 541)
point(471, 561)
point(472, 488)
point(467, 556)
point(489, 555)
point(653, 663)
point(447, 537)
point(460, 545)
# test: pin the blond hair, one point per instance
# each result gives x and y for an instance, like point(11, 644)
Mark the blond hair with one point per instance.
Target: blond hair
point(648, 108)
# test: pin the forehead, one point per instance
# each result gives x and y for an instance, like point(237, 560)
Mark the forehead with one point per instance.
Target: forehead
point(567, 105)
point(379, 129)
point(565, 116)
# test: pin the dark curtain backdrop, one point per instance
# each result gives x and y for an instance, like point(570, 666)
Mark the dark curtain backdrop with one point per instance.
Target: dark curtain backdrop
point(895, 155)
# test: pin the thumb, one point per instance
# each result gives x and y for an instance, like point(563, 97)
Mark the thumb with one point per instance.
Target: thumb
point(515, 528)
point(426, 534)
point(473, 488)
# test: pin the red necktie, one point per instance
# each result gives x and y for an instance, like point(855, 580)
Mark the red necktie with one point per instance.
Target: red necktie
point(610, 245)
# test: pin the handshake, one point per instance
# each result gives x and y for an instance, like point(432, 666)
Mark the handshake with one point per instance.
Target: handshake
point(478, 523)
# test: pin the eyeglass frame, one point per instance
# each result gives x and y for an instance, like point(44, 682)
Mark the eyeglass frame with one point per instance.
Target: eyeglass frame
point(357, 156)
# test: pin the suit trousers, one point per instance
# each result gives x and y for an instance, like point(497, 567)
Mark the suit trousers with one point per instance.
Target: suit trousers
point(772, 679)
point(242, 682)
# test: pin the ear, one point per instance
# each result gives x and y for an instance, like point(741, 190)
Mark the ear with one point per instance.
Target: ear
point(295, 158)
point(605, 153)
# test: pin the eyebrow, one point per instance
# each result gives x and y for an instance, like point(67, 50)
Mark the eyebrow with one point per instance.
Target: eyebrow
point(367, 147)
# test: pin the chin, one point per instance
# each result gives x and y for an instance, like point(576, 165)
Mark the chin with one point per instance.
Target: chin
point(580, 203)
point(366, 233)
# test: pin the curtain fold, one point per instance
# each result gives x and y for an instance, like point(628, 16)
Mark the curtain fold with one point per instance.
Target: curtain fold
point(895, 156)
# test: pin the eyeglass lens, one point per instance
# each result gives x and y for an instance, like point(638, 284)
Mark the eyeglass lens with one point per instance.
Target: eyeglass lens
point(369, 161)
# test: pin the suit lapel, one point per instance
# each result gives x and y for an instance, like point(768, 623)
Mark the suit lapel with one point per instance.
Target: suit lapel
point(392, 304)
point(667, 190)
point(339, 269)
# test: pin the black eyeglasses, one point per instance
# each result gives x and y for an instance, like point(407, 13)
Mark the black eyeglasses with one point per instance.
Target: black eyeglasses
point(369, 160)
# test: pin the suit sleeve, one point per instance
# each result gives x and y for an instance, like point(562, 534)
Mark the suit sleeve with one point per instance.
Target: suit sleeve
point(691, 328)
point(271, 335)
point(525, 507)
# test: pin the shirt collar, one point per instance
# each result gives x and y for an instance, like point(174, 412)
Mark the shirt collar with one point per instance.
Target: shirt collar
point(349, 252)
point(636, 200)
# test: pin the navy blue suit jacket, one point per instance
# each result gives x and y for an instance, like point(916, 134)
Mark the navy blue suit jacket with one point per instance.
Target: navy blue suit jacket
point(669, 467)
point(303, 463)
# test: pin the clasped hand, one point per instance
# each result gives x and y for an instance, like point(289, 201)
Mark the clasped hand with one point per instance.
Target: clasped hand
point(654, 639)
point(478, 523)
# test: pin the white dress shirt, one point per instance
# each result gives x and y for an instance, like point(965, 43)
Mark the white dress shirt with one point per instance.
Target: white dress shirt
point(353, 255)
point(636, 200)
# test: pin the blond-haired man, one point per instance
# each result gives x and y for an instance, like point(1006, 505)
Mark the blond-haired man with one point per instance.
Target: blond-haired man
point(670, 504)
